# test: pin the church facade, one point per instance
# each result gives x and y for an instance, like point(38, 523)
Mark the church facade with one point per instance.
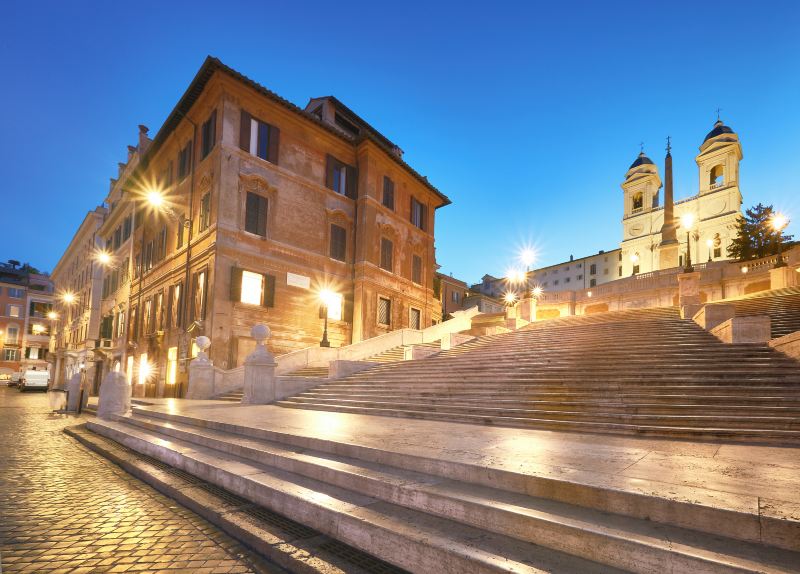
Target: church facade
point(652, 235)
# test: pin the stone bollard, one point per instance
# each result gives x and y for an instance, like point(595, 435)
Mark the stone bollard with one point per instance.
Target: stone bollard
point(201, 372)
point(259, 371)
point(74, 392)
point(115, 395)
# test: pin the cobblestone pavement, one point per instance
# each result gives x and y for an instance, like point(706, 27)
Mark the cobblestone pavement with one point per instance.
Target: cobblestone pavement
point(64, 508)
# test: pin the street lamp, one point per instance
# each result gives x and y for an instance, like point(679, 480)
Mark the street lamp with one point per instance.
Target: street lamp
point(687, 221)
point(779, 223)
point(709, 244)
point(527, 256)
point(327, 297)
point(510, 298)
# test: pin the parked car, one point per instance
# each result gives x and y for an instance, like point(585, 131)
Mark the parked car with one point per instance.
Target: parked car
point(14, 380)
point(34, 380)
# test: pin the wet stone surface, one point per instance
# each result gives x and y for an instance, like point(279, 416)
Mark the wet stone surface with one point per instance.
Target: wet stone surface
point(64, 508)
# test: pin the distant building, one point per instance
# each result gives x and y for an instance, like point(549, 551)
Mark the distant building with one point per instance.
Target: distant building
point(77, 277)
point(452, 293)
point(25, 319)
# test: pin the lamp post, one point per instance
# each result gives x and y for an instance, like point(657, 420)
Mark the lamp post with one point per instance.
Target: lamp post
point(710, 244)
point(779, 223)
point(687, 221)
point(326, 297)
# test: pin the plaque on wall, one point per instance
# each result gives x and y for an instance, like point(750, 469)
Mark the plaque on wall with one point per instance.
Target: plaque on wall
point(294, 280)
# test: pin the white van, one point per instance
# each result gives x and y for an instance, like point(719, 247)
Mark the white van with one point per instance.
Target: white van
point(34, 380)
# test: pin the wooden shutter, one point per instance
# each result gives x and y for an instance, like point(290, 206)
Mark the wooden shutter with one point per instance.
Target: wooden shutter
point(263, 203)
point(236, 284)
point(251, 213)
point(269, 290)
point(244, 132)
point(274, 143)
point(351, 183)
point(212, 131)
point(424, 216)
point(331, 164)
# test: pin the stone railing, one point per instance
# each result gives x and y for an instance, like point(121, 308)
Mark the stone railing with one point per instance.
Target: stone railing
point(322, 356)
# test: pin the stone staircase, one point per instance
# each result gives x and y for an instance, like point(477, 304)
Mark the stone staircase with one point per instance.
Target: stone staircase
point(644, 372)
point(782, 306)
point(427, 515)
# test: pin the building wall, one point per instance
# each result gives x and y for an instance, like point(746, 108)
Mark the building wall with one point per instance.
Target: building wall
point(294, 256)
point(452, 293)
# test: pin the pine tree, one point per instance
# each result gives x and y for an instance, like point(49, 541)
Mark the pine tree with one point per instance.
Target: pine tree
point(755, 236)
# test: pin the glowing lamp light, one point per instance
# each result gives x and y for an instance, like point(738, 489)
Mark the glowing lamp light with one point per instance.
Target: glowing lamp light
point(510, 298)
point(328, 297)
point(68, 298)
point(37, 329)
point(634, 259)
point(779, 221)
point(515, 276)
point(589, 294)
point(527, 256)
point(52, 315)
point(537, 291)
point(687, 221)
point(745, 269)
point(155, 198)
point(709, 243)
point(103, 257)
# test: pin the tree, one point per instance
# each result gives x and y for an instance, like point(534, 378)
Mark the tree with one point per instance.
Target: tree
point(755, 236)
point(28, 268)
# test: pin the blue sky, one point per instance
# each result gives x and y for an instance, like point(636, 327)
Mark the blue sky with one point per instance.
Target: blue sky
point(526, 114)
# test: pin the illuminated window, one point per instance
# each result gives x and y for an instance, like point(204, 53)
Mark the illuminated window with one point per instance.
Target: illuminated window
point(252, 288)
point(33, 353)
point(638, 201)
point(172, 365)
point(144, 369)
point(13, 310)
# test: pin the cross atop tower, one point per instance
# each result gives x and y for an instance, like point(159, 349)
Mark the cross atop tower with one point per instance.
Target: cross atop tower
point(718, 111)
point(641, 147)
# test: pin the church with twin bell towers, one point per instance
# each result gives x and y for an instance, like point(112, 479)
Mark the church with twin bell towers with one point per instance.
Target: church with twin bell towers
point(653, 237)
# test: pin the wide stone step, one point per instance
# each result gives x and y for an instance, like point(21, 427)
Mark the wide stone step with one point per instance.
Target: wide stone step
point(416, 541)
point(547, 525)
point(772, 436)
point(684, 420)
point(775, 406)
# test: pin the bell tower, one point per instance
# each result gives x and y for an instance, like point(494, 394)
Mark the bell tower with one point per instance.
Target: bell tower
point(718, 160)
point(641, 185)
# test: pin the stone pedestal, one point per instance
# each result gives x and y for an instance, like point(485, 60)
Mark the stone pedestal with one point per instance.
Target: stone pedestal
point(259, 371)
point(750, 329)
point(201, 372)
point(689, 294)
point(74, 392)
point(115, 395)
point(710, 316)
point(782, 277)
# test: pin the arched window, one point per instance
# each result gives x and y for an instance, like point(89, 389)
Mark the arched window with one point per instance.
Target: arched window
point(717, 177)
point(638, 201)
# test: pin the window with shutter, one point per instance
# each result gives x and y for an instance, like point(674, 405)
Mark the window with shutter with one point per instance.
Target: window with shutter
point(185, 161)
point(384, 311)
point(269, 290)
point(252, 288)
point(341, 178)
point(416, 269)
point(259, 138)
point(419, 214)
point(205, 212)
point(386, 254)
point(388, 193)
point(209, 134)
point(338, 240)
point(255, 214)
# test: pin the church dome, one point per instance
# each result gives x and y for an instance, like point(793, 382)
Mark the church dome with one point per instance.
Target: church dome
point(719, 129)
point(641, 160)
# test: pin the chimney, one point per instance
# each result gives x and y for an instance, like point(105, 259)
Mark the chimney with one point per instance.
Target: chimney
point(144, 141)
point(131, 151)
point(120, 168)
point(112, 183)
